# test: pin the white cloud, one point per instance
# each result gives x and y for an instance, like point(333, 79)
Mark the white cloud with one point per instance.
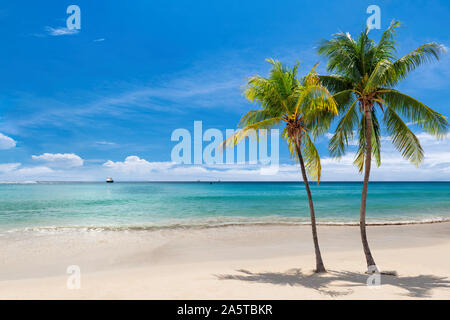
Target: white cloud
point(131, 163)
point(8, 167)
point(13, 172)
point(134, 164)
point(6, 142)
point(435, 167)
point(63, 160)
point(60, 31)
point(33, 172)
point(99, 40)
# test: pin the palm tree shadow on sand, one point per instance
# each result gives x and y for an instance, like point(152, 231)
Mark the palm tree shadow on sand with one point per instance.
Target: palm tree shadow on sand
point(416, 286)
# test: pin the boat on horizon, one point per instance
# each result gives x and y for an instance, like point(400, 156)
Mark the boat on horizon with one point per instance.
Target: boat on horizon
point(109, 180)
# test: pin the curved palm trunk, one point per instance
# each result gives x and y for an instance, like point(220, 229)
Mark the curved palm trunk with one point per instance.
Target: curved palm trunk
point(319, 263)
point(367, 163)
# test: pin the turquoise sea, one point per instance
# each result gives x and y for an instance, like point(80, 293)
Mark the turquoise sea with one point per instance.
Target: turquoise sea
point(55, 206)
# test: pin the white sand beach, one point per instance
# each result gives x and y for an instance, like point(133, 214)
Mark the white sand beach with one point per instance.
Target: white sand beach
point(248, 262)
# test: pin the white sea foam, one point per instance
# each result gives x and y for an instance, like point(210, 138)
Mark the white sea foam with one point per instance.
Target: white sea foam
point(222, 222)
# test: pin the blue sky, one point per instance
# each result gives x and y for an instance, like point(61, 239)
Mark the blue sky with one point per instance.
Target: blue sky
point(74, 106)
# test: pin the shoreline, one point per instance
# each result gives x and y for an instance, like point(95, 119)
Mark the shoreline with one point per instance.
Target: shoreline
point(270, 262)
point(217, 226)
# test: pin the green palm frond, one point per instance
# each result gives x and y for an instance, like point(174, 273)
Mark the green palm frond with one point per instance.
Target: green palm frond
point(379, 76)
point(305, 106)
point(316, 104)
point(344, 99)
point(264, 92)
point(344, 132)
point(423, 54)
point(365, 52)
point(311, 157)
point(426, 118)
point(319, 123)
point(403, 138)
point(389, 72)
point(386, 48)
point(255, 116)
point(366, 74)
point(335, 83)
point(342, 55)
point(313, 99)
point(275, 92)
point(241, 134)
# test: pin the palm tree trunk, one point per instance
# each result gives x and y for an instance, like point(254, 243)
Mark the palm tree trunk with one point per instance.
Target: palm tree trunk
point(319, 263)
point(367, 163)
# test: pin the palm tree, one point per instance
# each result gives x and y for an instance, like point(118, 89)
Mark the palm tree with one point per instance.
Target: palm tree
point(367, 73)
point(304, 108)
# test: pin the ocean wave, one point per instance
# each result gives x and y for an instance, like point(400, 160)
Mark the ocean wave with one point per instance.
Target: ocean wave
point(199, 225)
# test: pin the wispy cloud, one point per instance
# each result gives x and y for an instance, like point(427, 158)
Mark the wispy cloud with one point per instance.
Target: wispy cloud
point(189, 90)
point(60, 31)
point(209, 83)
point(6, 142)
point(106, 143)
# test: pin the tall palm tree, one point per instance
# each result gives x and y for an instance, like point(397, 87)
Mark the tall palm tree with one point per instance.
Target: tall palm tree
point(303, 108)
point(367, 73)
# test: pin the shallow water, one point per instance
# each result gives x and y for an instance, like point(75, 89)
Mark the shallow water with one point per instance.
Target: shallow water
point(50, 207)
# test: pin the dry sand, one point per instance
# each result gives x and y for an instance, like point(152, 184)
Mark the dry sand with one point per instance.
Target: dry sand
point(249, 262)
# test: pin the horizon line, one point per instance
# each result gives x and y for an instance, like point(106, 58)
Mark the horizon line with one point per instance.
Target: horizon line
point(215, 181)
